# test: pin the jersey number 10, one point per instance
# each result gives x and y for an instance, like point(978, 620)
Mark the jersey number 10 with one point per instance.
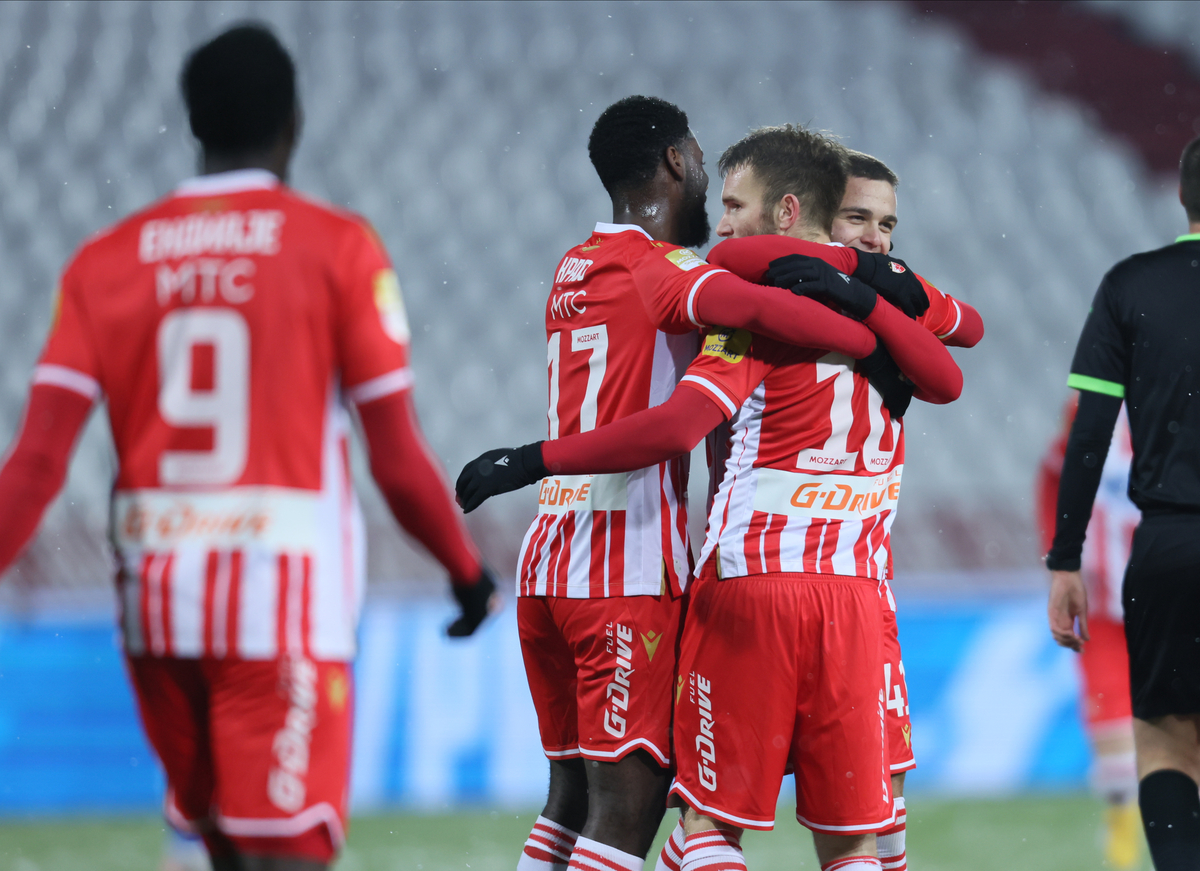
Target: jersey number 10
point(222, 406)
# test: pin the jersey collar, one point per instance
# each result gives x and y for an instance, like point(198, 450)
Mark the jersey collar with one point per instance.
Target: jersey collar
point(232, 182)
point(1188, 237)
point(620, 228)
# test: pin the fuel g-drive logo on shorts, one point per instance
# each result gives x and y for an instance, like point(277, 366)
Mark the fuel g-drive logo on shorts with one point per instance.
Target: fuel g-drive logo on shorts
point(700, 693)
point(619, 641)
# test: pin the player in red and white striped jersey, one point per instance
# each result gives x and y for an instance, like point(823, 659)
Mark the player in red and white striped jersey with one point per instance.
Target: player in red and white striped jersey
point(784, 526)
point(866, 221)
point(1104, 661)
point(225, 327)
point(602, 567)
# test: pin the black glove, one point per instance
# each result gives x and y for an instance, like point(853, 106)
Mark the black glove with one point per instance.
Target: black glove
point(887, 379)
point(476, 602)
point(811, 276)
point(497, 472)
point(894, 281)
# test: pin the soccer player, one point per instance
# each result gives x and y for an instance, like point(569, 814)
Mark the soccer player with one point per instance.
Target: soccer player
point(225, 326)
point(866, 220)
point(1138, 346)
point(603, 566)
point(1103, 661)
point(797, 535)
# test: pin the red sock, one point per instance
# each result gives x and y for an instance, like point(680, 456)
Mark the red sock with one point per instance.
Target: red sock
point(713, 850)
point(890, 842)
point(590, 855)
point(548, 848)
point(853, 863)
point(671, 856)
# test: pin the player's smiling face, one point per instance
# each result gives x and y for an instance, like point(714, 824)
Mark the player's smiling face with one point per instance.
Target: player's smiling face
point(867, 216)
point(742, 197)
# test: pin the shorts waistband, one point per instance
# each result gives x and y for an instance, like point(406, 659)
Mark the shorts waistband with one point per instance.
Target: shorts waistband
point(794, 577)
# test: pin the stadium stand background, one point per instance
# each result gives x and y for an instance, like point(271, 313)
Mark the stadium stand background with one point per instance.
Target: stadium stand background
point(459, 130)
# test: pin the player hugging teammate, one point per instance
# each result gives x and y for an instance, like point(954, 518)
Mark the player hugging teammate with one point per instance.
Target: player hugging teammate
point(782, 652)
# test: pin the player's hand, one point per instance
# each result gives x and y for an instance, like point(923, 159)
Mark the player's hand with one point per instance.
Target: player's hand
point(476, 600)
point(811, 276)
point(895, 282)
point(498, 471)
point(887, 379)
point(1068, 603)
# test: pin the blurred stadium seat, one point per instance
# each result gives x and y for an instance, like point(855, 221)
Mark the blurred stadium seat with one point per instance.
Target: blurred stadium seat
point(460, 131)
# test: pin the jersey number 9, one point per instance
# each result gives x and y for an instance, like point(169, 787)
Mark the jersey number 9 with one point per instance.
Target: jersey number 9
point(222, 406)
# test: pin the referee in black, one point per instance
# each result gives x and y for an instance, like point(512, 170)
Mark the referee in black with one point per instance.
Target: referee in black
point(1141, 345)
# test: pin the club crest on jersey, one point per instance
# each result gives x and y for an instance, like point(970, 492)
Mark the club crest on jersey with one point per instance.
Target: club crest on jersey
point(730, 345)
point(896, 267)
point(685, 258)
point(390, 303)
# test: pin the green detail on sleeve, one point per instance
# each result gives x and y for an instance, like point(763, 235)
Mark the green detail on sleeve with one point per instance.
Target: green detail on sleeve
point(1096, 385)
point(1188, 237)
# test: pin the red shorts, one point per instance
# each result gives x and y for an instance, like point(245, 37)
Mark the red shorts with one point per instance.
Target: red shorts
point(600, 672)
point(899, 726)
point(777, 668)
point(1104, 668)
point(259, 751)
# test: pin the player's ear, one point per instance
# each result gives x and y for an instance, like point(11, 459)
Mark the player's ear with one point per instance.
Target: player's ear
point(787, 212)
point(673, 157)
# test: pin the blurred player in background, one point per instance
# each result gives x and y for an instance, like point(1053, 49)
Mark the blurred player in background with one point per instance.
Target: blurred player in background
point(866, 221)
point(1104, 661)
point(781, 403)
point(224, 326)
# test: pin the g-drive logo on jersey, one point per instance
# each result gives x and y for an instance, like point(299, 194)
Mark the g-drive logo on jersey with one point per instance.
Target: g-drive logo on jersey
point(619, 642)
point(700, 694)
point(831, 497)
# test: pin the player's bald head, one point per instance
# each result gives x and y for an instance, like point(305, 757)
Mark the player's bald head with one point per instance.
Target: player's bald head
point(629, 138)
point(240, 90)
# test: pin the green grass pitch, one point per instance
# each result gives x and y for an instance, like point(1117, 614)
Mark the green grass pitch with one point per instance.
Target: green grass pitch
point(1030, 833)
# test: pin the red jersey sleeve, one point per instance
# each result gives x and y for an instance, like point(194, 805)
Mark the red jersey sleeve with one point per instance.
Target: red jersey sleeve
point(749, 256)
point(669, 279)
point(951, 320)
point(372, 328)
point(69, 359)
point(729, 366)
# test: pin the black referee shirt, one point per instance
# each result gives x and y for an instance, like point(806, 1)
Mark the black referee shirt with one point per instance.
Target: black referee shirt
point(1141, 342)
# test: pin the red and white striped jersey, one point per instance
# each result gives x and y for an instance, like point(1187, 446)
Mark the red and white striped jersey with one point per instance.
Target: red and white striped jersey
point(597, 536)
point(813, 461)
point(1114, 517)
point(224, 326)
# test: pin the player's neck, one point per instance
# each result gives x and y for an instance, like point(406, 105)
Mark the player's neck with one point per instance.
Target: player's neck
point(808, 234)
point(654, 215)
point(1193, 227)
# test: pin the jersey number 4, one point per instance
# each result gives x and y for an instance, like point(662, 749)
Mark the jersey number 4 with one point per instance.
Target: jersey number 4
point(204, 383)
